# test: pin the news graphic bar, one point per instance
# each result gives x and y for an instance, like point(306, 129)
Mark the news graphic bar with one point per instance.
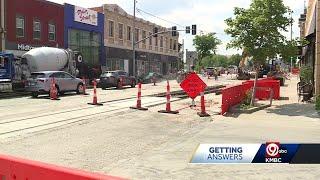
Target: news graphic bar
point(270, 152)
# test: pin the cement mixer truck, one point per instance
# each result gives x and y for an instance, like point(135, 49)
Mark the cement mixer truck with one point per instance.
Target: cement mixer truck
point(15, 71)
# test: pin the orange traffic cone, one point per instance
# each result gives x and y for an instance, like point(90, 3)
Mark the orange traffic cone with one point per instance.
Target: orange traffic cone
point(138, 106)
point(168, 105)
point(53, 90)
point(95, 98)
point(203, 112)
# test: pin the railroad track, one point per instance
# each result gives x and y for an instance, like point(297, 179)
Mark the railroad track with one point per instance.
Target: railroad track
point(62, 122)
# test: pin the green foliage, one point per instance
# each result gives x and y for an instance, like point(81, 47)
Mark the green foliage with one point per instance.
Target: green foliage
point(259, 28)
point(247, 99)
point(306, 74)
point(317, 103)
point(290, 49)
point(206, 44)
point(220, 60)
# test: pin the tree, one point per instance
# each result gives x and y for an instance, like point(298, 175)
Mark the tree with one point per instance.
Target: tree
point(206, 45)
point(259, 29)
point(234, 60)
point(290, 49)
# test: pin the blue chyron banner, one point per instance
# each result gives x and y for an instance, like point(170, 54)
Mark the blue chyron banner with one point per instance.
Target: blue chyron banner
point(270, 152)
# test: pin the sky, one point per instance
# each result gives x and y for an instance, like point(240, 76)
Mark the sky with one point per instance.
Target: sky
point(208, 15)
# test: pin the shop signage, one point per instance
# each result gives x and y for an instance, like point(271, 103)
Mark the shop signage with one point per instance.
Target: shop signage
point(24, 47)
point(86, 16)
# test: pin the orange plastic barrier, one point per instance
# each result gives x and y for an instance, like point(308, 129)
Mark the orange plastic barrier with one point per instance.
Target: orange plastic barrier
point(232, 96)
point(264, 93)
point(235, 94)
point(12, 168)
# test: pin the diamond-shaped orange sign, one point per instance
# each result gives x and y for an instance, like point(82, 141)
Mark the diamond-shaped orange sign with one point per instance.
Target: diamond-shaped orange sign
point(193, 85)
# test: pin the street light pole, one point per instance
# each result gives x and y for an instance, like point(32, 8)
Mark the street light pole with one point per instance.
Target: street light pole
point(291, 38)
point(133, 39)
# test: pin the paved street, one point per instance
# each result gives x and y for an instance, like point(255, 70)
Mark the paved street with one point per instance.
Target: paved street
point(116, 140)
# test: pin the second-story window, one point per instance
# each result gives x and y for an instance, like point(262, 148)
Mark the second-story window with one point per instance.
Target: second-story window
point(150, 38)
point(161, 41)
point(52, 32)
point(156, 41)
point(144, 35)
point(120, 31)
point(128, 33)
point(19, 26)
point(111, 28)
point(175, 45)
point(136, 35)
point(36, 29)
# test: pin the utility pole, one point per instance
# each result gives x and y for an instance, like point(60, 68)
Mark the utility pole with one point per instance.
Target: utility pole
point(291, 66)
point(133, 39)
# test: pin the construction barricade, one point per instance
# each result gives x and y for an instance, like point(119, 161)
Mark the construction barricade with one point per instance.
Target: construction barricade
point(12, 168)
point(264, 93)
point(234, 95)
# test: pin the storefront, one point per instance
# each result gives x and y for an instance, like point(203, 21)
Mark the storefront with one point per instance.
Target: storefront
point(31, 24)
point(121, 59)
point(83, 32)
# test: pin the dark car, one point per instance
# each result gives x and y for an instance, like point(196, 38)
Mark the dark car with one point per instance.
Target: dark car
point(210, 71)
point(149, 77)
point(113, 79)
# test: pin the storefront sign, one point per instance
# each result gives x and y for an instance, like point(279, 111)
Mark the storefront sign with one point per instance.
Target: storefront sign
point(24, 47)
point(86, 16)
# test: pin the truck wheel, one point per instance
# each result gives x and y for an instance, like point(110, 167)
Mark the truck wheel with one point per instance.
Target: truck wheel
point(133, 84)
point(34, 94)
point(80, 89)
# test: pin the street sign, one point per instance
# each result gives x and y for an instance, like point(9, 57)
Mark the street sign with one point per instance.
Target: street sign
point(193, 85)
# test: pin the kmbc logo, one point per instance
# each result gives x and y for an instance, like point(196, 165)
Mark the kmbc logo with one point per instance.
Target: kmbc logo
point(273, 152)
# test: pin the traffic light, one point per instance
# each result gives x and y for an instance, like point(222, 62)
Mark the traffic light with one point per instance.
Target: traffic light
point(174, 30)
point(188, 30)
point(155, 32)
point(194, 29)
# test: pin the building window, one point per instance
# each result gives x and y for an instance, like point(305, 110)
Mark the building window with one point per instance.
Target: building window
point(144, 35)
point(161, 41)
point(150, 38)
point(19, 26)
point(170, 43)
point(36, 29)
point(136, 35)
point(175, 45)
point(120, 31)
point(52, 32)
point(156, 39)
point(128, 33)
point(111, 28)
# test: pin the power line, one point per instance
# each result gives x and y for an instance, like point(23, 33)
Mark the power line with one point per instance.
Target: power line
point(150, 14)
point(140, 11)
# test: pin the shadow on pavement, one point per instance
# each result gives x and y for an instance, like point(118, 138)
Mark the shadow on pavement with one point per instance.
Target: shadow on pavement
point(295, 109)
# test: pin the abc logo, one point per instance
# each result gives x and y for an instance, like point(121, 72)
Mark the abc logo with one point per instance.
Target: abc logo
point(272, 150)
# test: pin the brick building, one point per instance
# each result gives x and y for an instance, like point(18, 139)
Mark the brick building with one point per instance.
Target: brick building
point(33, 23)
point(157, 54)
point(310, 29)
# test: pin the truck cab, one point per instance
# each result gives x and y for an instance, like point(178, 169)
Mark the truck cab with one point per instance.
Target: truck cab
point(6, 71)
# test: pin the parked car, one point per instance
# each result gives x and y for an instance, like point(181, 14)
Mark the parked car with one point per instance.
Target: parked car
point(149, 77)
point(40, 83)
point(210, 71)
point(112, 79)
